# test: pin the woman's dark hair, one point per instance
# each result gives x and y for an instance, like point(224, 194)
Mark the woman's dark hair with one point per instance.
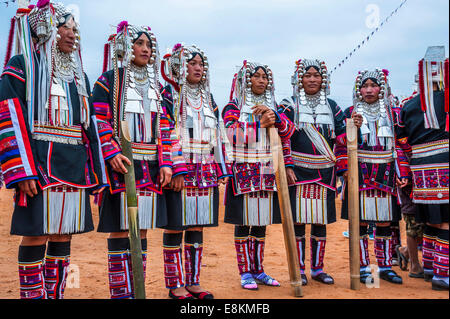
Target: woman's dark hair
point(312, 66)
point(257, 68)
point(372, 79)
point(194, 54)
point(139, 35)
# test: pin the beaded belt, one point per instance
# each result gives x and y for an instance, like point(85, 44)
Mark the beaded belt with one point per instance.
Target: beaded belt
point(429, 149)
point(197, 147)
point(311, 161)
point(144, 152)
point(242, 155)
point(378, 157)
point(58, 134)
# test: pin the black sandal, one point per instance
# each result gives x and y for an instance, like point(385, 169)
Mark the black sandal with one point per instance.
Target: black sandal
point(391, 276)
point(365, 276)
point(324, 278)
point(402, 260)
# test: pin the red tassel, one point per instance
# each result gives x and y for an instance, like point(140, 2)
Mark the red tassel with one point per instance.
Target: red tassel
point(105, 57)
point(10, 42)
point(446, 124)
point(165, 77)
point(22, 199)
point(233, 86)
point(422, 87)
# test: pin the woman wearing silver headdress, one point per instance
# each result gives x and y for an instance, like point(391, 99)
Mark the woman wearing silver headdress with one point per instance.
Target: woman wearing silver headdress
point(251, 200)
point(381, 163)
point(193, 201)
point(131, 92)
point(318, 120)
point(50, 146)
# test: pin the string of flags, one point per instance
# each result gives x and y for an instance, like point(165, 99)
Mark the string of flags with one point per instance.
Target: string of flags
point(368, 37)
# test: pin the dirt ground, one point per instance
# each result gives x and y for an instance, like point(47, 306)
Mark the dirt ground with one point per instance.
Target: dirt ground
point(88, 274)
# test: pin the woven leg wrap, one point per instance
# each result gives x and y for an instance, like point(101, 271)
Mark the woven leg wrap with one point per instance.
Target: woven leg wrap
point(56, 268)
point(193, 253)
point(317, 254)
point(301, 252)
point(173, 261)
point(144, 263)
point(383, 247)
point(364, 252)
point(428, 248)
point(31, 272)
point(440, 263)
point(119, 271)
point(242, 254)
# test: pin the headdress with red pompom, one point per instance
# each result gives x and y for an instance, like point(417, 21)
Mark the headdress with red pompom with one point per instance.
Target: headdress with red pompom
point(433, 68)
point(35, 28)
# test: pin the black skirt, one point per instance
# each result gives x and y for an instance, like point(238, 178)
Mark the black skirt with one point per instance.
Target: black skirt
point(175, 218)
point(110, 213)
point(235, 210)
point(29, 220)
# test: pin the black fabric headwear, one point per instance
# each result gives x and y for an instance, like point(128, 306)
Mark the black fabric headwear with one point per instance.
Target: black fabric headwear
point(194, 54)
point(257, 68)
point(373, 80)
point(312, 66)
point(66, 18)
point(139, 35)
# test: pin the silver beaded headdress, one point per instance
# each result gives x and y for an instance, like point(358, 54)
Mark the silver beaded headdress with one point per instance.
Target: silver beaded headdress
point(241, 88)
point(313, 109)
point(174, 70)
point(41, 23)
point(121, 52)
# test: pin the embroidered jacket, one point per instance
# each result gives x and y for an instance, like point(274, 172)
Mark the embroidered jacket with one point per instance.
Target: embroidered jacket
point(51, 155)
point(252, 177)
point(378, 167)
point(148, 157)
point(199, 175)
point(308, 163)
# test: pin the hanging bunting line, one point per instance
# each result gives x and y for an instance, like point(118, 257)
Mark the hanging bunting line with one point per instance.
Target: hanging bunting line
point(366, 39)
point(7, 2)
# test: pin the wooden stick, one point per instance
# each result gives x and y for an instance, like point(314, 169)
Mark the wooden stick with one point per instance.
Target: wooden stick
point(285, 210)
point(353, 202)
point(133, 220)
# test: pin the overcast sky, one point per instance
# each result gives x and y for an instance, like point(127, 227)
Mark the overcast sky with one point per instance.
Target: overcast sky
point(273, 32)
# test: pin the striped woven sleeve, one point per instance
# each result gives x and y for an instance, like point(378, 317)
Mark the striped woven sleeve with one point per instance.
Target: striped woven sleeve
point(165, 141)
point(284, 126)
point(178, 163)
point(236, 130)
point(340, 148)
point(16, 154)
point(285, 129)
point(402, 148)
point(104, 113)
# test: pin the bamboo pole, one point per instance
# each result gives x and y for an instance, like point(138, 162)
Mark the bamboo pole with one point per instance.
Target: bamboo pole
point(286, 214)
point(353, 203)
point(133, 220)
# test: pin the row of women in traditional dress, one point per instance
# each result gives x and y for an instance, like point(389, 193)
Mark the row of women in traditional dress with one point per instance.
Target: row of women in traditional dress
point(61, 143)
